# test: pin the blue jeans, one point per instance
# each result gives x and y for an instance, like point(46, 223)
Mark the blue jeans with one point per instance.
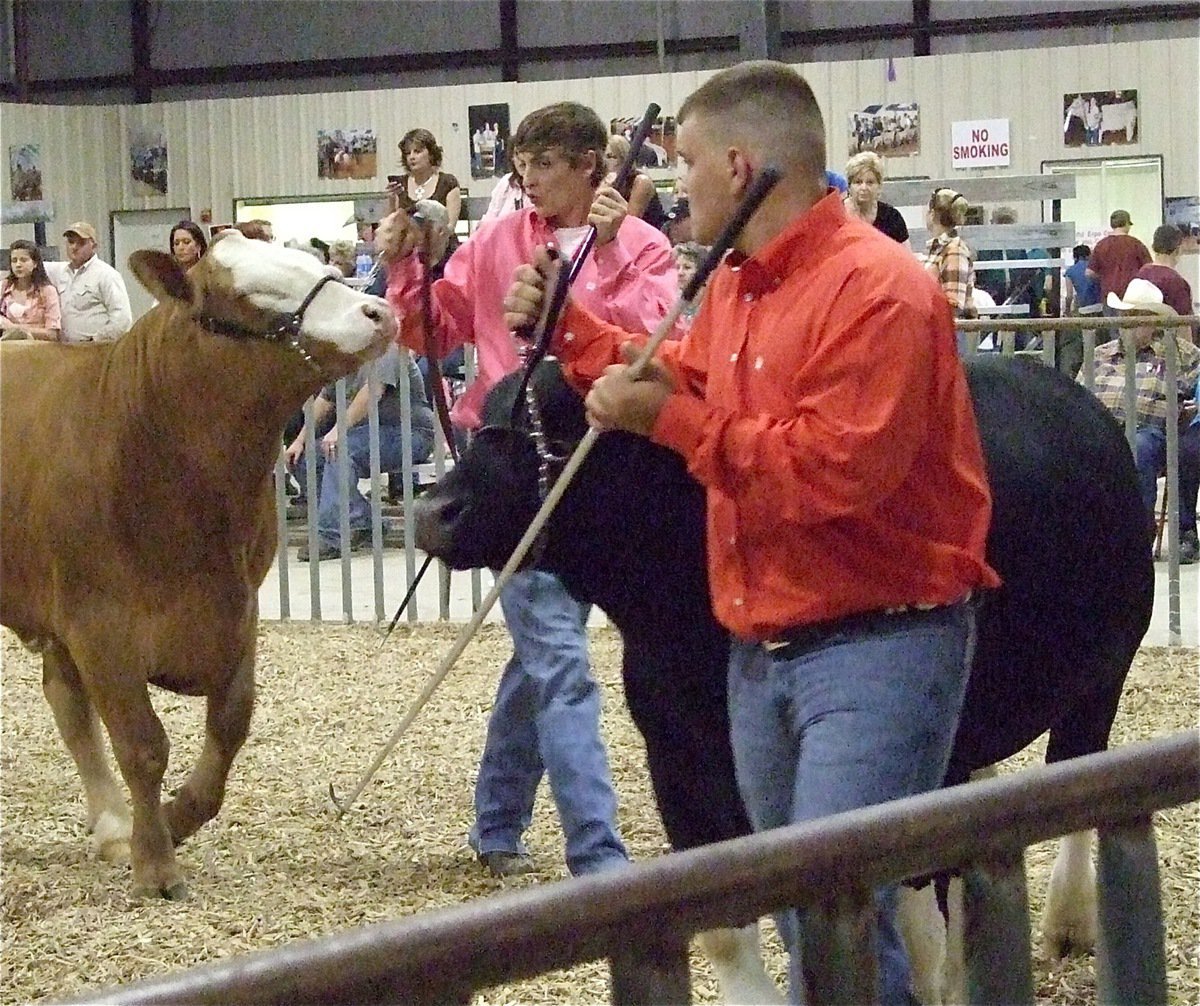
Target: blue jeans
point(861, 715)
point(1150, 458)
point(357, 447)
point(547, 719)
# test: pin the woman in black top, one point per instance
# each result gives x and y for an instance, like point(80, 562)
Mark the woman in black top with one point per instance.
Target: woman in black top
point(425, 180)
point(864, 172)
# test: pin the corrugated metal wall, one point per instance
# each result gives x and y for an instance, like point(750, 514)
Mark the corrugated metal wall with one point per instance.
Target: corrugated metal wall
point(220, 150)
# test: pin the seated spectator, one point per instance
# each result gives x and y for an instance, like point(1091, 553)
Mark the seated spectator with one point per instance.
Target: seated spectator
point(29, 307)
point(678, 226)
point(688, 257)
point(866, 173)
point(1163, 271)
point(91, 293)
point(1150, 444)
point(642, 194)
point(1015, 286)
point(342, 255)
point(389, 370)
point(188, 243)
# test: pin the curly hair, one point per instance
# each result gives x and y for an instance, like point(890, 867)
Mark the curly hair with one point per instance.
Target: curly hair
point(424, 139)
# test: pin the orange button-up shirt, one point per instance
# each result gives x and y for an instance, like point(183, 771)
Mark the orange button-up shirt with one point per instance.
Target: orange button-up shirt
point(820, 401)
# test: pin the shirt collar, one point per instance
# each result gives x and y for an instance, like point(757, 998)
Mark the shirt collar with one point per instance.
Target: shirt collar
point(791, 249)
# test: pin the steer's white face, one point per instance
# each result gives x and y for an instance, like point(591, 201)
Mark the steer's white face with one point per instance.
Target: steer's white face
point(278, 279)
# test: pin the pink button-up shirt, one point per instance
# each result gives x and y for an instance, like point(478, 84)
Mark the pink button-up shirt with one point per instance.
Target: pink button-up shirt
point(630, 282)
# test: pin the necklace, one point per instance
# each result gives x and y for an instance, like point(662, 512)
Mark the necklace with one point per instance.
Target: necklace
point(419, 190)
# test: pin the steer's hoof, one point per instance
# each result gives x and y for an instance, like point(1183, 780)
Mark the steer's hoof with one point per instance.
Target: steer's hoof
point(177, 891)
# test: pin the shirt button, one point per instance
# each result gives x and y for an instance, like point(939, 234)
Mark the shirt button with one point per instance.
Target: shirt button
point(738, 602)
point(591, 286)
point(733, 357)
point(568, 336)
point(758, 363)
point(748, 297)
point(733, 539)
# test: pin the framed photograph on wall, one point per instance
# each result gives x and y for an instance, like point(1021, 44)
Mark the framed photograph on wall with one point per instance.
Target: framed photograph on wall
point(489, 136)
point(1100, 118)
point(148, 160)
point(25, 173)
point(346, 153)
point(892, 130)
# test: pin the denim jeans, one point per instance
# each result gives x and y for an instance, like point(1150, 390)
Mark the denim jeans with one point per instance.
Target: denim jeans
point(1150, 458)
point(858, 717)
point(547, 719)
point(358, 450)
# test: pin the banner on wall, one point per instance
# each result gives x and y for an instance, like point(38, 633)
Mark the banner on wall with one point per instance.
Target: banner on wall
point(979, 143)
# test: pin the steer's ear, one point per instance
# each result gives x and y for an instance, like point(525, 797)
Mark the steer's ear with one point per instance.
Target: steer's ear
point(160, 274)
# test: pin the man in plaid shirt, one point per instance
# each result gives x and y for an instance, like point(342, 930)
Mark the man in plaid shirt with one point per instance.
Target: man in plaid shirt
point(1150, 445)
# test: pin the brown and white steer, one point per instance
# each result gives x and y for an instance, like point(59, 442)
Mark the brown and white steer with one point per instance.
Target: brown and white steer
point(137, 519)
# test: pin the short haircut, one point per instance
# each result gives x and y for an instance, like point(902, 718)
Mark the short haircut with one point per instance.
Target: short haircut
point(1081, 252)
point(949, 207)
point(865, 160)
point(770, 105)
point(1120, 218)
point(1004, 215)
point(1167, 239)
point(194, 230)
point(424, 139)
point(572, 128)
point(254, 230)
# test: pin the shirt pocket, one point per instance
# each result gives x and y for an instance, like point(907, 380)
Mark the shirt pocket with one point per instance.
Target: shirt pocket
point(85, 300)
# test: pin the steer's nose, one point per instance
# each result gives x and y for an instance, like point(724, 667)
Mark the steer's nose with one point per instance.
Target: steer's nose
point(381, 313)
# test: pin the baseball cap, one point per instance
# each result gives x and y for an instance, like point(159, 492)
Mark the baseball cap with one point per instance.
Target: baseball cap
point(1120, 218)
point(81, 228)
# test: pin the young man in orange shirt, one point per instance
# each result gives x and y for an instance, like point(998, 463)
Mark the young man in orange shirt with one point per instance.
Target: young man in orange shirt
point(819, 399)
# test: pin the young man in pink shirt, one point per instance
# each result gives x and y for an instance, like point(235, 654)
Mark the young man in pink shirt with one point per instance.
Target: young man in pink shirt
point(546, 717)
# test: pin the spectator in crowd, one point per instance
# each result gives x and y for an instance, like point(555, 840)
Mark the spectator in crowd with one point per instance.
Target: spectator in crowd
point(188, 243)
point(508, 195)
point(91, 293)
point(688, 257)
point(1013, 286)
point(29, 305)
point(1150, 444)
point(1163, 271)
point(546, 717)
point(947, 257)
point(846, 487)
point(426, 180)
point(643, 197)
point(342, 255)
point(866, 173)
point(389, 370)
point(1117, 258)
point(1081, 296)
point(678, 227)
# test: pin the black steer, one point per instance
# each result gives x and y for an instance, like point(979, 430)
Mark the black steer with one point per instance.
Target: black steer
point(1055, 642)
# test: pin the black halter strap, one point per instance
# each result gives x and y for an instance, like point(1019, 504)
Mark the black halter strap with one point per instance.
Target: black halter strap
point(287, 329)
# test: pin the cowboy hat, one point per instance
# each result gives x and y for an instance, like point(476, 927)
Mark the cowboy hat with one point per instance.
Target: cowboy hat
point(1141, 296)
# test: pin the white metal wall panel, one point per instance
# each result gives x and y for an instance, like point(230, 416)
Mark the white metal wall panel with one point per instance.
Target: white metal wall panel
point(223, 149)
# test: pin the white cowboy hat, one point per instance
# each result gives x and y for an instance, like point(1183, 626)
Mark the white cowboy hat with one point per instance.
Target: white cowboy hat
point(1142, 296)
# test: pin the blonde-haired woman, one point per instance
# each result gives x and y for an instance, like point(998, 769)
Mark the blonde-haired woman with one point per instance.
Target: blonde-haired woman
point(947, 257)
point(643, 196)
point(864, 174)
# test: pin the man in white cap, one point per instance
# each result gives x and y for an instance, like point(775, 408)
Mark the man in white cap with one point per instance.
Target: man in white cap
point(1150, 443)
point(95, 303)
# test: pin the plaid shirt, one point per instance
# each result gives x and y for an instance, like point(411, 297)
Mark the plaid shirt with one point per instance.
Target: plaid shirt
point(1151, 379)
point(952, 263)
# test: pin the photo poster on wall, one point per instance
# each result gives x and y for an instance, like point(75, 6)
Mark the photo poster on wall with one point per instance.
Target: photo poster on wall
point(489, 135)
point(25, 173)
point(346, 153)
point(1100, 118)
point(892, 130)
point(148, 160)
point(658, 151)
point(1184, 212)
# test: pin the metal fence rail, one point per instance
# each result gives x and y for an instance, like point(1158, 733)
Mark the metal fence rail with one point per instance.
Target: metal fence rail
point(641, 918)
